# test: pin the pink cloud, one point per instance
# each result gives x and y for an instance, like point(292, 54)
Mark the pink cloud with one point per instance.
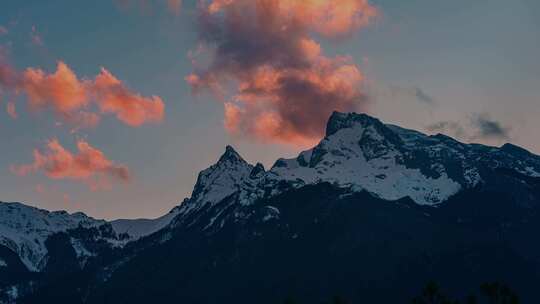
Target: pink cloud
point(133, 109)
point(74, 99)
point(88, 165)
point(61, 90)
point(284, 87)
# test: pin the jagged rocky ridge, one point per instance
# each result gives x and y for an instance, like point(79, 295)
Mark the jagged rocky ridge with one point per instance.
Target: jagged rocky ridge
point(360, 153)
point(358, 156)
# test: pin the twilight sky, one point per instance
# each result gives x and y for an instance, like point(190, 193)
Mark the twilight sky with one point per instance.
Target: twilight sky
point(112, 107)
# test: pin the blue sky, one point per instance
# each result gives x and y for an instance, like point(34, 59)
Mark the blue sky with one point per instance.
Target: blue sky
point(470, 58)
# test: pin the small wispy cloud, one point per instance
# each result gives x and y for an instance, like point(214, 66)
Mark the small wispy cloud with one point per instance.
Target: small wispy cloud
point(382, 92)
point(480, 126)
point(489, 128)
point(422, 96)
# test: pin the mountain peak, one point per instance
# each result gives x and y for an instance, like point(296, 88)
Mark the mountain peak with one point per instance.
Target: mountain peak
point(230, 155)
point(221, 179)
point(377, 132)
point(257, 171)
point(339, 120)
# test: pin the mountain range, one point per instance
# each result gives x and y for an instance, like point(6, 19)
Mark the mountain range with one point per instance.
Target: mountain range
point(371, 213)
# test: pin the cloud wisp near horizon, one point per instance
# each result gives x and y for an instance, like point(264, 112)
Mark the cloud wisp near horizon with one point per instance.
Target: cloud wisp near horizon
point(481, 127)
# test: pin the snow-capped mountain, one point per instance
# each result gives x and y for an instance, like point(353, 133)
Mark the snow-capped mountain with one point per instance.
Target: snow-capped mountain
point(373, 212)
point(25, 230)
point(370, 201)
point(230, 174)
point(390, 162)
point(360, 153)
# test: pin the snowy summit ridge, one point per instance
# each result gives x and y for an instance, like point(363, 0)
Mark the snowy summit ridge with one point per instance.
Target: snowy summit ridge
point(24, 230)
point(361, 153)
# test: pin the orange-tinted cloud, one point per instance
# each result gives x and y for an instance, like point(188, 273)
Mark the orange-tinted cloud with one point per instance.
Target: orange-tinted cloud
point(332, 18)
point(285, 88)
point(89, 165)
point(74, 100)
point(133, 109)
point(327, 17)
point(3, 30)
point(61, 90)
point(11, 110)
